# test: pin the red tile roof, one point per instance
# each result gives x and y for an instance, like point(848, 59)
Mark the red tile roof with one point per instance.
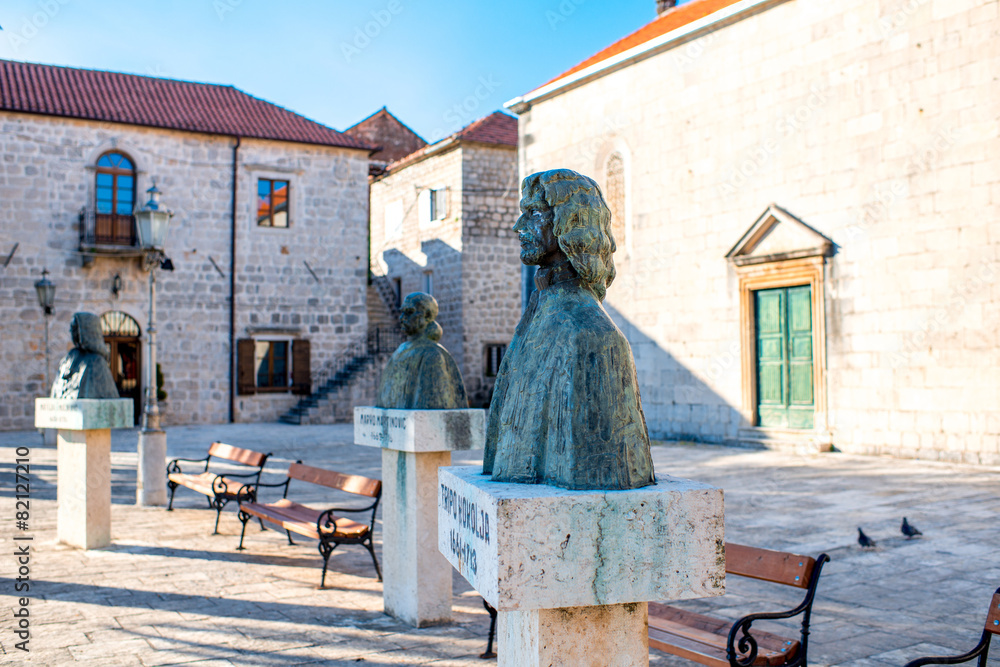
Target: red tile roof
point(498, 128)
point(669, 20)
point(393, 138)
point(141, 100)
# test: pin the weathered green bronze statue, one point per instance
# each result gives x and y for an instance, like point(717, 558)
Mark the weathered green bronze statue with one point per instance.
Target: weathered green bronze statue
point(421, 375)
point(566, 407)
point(84, 371)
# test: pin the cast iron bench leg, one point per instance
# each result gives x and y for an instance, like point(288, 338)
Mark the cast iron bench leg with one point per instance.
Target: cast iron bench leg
point(490, 653)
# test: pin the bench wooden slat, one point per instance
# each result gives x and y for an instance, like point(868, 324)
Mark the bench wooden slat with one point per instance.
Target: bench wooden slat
point(687, 648)
point(775, 566)
point(993, 618)
point(301, 519)
point(362, 486)
point(772, 649)
point(203, 483)
point(245, 456)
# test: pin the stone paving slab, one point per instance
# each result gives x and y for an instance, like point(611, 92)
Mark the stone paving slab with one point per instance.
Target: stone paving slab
point(167, 592)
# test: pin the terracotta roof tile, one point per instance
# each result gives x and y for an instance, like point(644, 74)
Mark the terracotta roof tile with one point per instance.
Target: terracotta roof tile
point(670, 20)
point(394, 139)
point(141, 100)
point(497, 128)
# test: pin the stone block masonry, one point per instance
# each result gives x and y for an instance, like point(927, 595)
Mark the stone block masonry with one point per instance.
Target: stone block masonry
point(306, 281)
point(872, 123)
point(471, 255)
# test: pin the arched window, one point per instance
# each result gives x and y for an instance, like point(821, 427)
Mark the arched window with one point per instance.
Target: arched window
point(115, 200)
point(615, 194)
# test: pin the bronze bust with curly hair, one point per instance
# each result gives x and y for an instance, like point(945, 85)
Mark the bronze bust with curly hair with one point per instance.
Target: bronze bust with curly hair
point(566, 408)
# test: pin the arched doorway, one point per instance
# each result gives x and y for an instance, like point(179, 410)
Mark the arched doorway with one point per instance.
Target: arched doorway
point(121, 333)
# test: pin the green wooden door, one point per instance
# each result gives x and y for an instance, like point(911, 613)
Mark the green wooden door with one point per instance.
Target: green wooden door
point(785, 394)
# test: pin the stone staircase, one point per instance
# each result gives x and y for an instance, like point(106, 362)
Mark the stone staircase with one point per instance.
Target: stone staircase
point(350, 378)
point(357, 364)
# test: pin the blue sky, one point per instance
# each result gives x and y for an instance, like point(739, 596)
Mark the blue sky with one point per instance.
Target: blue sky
point(437, 65)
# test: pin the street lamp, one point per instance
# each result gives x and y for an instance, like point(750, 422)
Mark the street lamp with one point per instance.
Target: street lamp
point(46, 299)
point(151, 222)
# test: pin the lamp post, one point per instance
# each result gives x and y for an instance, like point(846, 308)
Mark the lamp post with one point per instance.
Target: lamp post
point(151, 222)
point(46, 299)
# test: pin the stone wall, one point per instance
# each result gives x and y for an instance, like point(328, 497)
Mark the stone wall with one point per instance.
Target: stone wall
point(435, 247)
point(872, 122)
point(491, 262)
point(47, 177)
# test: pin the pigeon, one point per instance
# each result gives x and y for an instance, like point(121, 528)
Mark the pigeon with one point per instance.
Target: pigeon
point(865, 541)
point(908, 530)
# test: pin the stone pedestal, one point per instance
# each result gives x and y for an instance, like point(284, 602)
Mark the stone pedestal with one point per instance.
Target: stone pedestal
point(558, 565)
point(415, 443)
point(151, 481)
point(83, 464)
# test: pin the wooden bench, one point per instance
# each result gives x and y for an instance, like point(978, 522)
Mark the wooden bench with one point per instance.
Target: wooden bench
point(323, 525)
point(981, 651)
point(217, 487)
point(721, 643)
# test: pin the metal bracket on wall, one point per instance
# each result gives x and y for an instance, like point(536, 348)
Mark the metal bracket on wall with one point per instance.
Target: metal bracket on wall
point(315, 277)
point(11, 255)
point(221, 274)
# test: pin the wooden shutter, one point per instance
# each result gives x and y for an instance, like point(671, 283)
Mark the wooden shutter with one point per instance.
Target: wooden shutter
point(245, 383)
point(301, 376)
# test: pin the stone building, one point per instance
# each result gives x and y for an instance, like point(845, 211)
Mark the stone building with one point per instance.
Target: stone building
point(268, 240)
point(805, 197)
point(441, 222)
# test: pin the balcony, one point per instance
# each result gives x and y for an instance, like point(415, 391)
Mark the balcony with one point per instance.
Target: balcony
point(107, 235)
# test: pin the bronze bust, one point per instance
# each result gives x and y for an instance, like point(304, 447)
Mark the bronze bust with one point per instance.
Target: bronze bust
point(566, 408)
point(84, 371)
point(421, 374)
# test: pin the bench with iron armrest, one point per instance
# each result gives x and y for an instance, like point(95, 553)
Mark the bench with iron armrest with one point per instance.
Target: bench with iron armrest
point(981, 651)
point(721, 643)
point(219, 488)
point(323, 525)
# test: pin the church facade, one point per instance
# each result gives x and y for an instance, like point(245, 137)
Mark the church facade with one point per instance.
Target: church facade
point(804, 197)
point(268, 240)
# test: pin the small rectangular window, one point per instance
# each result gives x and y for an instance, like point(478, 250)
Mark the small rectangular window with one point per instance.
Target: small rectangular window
point(439, 204)
point(271, 363)
point(272, 202)
point(494, 355)
point(397, 290)
point(429, 282)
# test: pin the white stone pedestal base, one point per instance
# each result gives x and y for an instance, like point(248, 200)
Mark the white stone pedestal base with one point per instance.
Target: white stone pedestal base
point(570, 572)
point(415, 443)
point(83, 469)
point(151, 482)
point(617, 636)
point(416, 576)
point(83, 464)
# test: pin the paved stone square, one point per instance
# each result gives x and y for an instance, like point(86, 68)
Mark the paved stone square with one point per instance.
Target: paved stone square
point(168, 592)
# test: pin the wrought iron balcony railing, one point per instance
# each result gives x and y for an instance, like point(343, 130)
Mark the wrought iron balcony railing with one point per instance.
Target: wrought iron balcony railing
point(105, 233)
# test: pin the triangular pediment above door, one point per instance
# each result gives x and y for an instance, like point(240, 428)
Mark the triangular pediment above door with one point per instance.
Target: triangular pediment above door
point(778, 235)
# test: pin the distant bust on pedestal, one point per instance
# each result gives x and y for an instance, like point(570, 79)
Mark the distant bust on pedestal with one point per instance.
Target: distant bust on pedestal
point(566, 407)
point(84, 371)
point(421, 375)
